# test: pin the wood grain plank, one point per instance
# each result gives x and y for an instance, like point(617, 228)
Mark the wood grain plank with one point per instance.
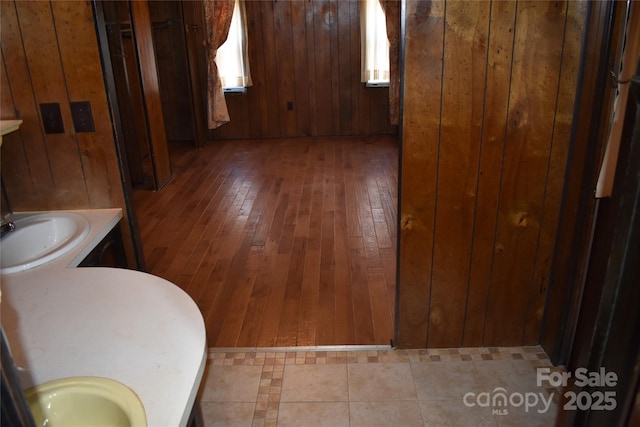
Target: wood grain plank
point(362, 312)
point(490, 168)
point(381, 302)
point(323, 23)
point(332, 20)
point(170, 42)
point(344, 283)
point(306, 53)
point(83, 75)
point(532, 105)
point(288, 329)
point(256, 94)
point(274, 123)
point(15, 163)
point(285, 67)
point(465, 63)
point(292, 285)
point(378, 105)
point(423, 77)
point(300, 67)
point(313, 77)
point(151, 91)
point(258, 265)
point(357, 110)
point(344, 58)
point(327, 287)
point(42, 53)
point(558, 157)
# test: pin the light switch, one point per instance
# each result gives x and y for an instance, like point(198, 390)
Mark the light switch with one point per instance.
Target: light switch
point(52, 117)
point(82, 117)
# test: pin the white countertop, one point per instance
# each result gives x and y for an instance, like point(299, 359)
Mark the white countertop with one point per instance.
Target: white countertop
point(8, 126)
point(121, 324)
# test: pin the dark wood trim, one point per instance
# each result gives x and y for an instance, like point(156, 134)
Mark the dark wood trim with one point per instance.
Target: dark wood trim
point(608, 334)
point(143, 36)
point(114, 112)
point(601, 49)
point(193, 34)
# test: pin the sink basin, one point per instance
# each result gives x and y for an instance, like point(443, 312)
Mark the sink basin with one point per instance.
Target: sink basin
point(41, 238)
point(85, 401)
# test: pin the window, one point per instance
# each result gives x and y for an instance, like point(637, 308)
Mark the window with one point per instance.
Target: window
point(232, 58)
point(375, 45)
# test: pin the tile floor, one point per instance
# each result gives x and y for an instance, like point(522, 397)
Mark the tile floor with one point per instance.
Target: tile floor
point(377, 387)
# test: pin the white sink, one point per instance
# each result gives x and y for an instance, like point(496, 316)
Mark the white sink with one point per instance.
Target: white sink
point(40, 238)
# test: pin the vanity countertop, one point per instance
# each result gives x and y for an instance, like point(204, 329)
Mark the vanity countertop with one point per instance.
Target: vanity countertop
point(126, 325)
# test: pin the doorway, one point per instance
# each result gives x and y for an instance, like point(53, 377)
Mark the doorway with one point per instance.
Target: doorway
point(318, 198)
point(156, 79)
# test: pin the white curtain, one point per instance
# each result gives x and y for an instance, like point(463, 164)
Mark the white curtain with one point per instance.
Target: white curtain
point(375, 45)
point(232, 59)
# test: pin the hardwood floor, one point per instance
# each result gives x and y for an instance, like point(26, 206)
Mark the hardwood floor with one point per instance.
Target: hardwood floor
point(288, 242)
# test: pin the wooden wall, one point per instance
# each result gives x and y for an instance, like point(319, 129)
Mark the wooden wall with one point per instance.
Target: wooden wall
point(50, 55)
point(489, 92)
point(306, 55)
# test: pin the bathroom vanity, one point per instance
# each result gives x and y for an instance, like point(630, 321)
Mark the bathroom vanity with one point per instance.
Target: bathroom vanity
point(132, 327)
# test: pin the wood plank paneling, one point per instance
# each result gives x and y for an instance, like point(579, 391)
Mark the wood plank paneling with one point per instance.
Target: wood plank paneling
point(169, 38)
point(285, 68)
point(43, 60)
point(487, 112)
point(193, 16)
point(15, 163)
point(50, 54)
point(464, 69)
point(270, 66)
point(322, 22)
point(575, 229)
point(305, 56)
point(532, 106)
point(558, 158)
point(490, 167)
point(346, 24)
point(18, 101)
point(301, 67)
point(151, 92)
point(420, 147)
point(82, 66)
point(359, 114)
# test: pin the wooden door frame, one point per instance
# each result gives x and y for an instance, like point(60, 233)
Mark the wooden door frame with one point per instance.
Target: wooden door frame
point(608, 327)
point(602, 49)
point(114, 111)
point(193, 21)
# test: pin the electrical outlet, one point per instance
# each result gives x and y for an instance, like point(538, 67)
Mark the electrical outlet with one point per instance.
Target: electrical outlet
point(52, 117)
point(82, 117)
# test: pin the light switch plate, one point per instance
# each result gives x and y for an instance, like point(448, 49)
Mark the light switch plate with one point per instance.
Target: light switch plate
point(52, 117)
point(82, 117)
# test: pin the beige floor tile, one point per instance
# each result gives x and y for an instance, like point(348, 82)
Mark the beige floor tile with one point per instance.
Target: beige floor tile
point(230, 384)
point(227, 414)
point(378, 382)
point(514, 376)
point(313, 414)
point(518, 417)
point(360, 391)
point(308, 383)
point(447, 413)
point(445, 380)
point(385, 414)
